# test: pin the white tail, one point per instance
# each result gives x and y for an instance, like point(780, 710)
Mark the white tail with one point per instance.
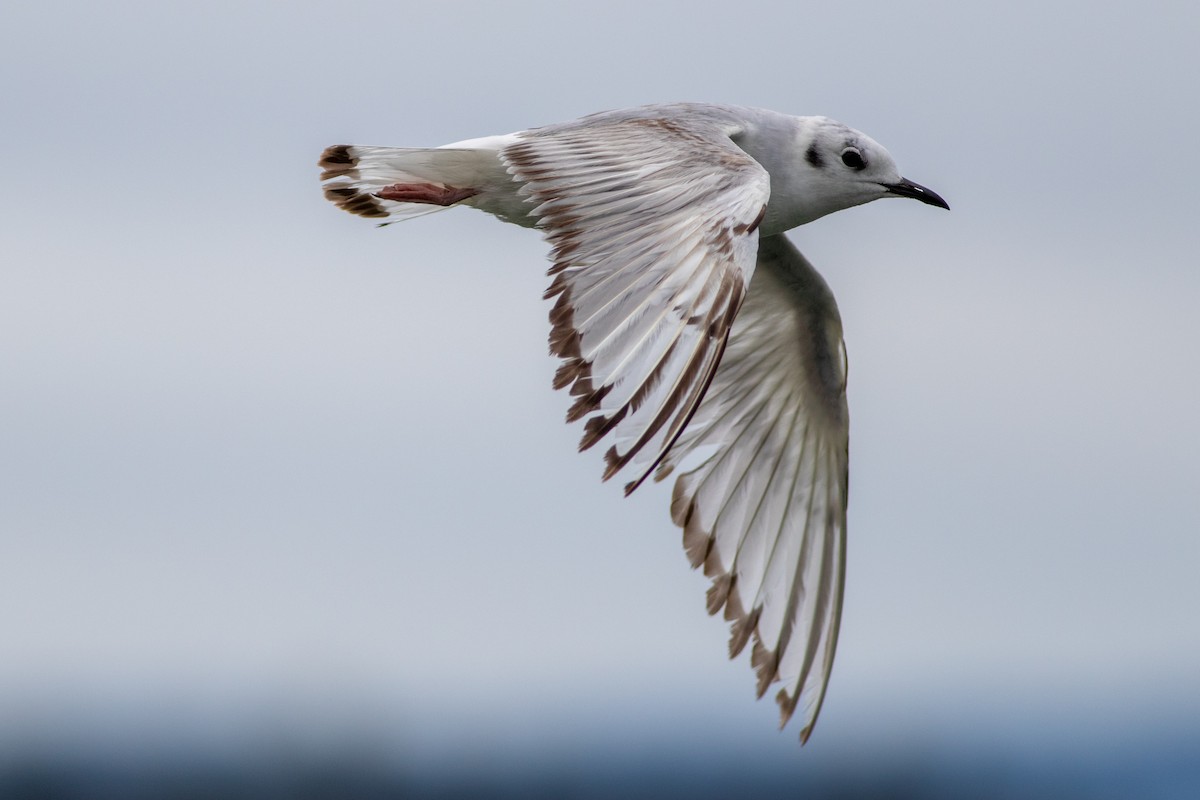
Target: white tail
point(390, 184)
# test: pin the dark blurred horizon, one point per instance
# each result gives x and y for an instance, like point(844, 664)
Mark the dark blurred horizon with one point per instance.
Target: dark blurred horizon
point(1157, 771)
point(166, 754)
point(1173, 776)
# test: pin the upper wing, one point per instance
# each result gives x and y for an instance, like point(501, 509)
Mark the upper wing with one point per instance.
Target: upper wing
point(764, 509)
point(653, 225)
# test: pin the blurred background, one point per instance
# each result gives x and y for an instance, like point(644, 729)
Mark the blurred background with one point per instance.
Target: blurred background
point(287, 506)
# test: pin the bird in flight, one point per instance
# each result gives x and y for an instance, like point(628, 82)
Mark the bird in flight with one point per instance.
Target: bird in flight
point(694, 338)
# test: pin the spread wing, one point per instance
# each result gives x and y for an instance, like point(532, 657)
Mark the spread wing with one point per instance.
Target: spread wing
point(653, 227)
point(761, 496)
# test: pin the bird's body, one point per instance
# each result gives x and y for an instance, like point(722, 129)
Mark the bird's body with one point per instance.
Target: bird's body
point(693, 335)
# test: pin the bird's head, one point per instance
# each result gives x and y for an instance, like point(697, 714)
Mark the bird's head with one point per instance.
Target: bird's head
point(841, 167)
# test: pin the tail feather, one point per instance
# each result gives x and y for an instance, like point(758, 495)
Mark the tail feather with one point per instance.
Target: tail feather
point(352, 177)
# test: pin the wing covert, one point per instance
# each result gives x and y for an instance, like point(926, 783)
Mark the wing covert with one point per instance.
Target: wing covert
point(653, 228)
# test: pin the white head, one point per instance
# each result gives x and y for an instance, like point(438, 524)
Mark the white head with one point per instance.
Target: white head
point(839, 167)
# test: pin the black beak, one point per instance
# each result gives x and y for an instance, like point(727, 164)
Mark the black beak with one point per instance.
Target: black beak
point(906, 188)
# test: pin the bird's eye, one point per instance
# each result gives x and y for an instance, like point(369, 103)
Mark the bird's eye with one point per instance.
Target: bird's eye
point(853, 159)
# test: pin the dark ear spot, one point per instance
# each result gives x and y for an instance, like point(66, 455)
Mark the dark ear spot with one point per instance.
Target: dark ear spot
point(813, 156)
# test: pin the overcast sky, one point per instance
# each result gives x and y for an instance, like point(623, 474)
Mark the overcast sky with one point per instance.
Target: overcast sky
point(257, 454)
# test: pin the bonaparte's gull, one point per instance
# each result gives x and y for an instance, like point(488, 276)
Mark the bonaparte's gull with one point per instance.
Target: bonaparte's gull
point(694, 337)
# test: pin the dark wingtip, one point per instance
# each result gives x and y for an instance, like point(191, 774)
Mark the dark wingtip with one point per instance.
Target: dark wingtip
point(350, 199)
point(337, 155)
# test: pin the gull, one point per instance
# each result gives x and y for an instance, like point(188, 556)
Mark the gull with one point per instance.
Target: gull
point(694, 337)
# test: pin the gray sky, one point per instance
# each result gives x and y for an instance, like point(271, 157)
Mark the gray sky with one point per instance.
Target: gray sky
point(255, 453)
